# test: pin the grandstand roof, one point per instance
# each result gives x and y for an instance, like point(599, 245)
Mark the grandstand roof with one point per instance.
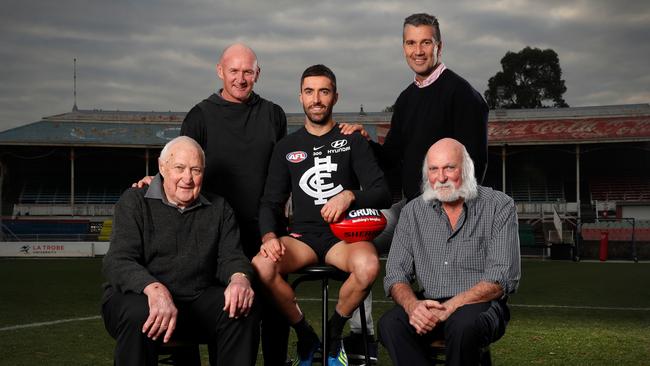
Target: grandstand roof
point(615, 123)
point(128, 128)
point(619, 123)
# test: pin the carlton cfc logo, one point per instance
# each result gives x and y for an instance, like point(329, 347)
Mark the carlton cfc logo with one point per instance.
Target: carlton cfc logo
point(296, 156)
point(313, 181)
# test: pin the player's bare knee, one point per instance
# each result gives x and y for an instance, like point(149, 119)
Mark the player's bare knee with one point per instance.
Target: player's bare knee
point(366, 269)
point(264, 267)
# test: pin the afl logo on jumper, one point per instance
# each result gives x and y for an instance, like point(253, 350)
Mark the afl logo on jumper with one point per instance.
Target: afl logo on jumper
point(296, 156)
point(313, 181)
point(339, 144)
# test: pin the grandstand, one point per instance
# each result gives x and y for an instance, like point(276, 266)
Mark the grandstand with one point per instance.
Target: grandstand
point(585, 163)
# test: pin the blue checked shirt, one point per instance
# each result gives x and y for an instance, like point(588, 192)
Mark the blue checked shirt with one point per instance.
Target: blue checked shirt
point(483, 247)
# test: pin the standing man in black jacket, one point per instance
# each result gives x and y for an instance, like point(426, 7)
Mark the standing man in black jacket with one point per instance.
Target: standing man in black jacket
point(238, 130)
point(437, 104)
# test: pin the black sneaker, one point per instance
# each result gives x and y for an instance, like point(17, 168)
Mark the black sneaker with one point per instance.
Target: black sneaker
point(353, 344)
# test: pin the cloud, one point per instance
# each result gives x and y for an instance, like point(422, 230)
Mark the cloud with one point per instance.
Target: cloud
point(160, 55)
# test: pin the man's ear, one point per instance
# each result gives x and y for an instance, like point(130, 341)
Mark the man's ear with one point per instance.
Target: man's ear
point(161, 168)
point(219, 70)
point(257, 75)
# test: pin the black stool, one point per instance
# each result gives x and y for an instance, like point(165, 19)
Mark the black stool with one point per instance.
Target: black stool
point(324, 273)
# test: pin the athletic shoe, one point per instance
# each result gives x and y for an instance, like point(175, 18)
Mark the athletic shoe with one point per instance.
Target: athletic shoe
point(354, 348)
point(307, 359)
point(338, 359)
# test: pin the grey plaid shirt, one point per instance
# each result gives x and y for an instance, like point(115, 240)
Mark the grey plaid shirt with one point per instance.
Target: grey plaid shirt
point(483, 247)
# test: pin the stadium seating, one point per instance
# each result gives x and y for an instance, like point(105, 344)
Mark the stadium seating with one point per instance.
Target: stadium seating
point(524, 189)
point(39, 230)
point(620, 189)
point(57, 195)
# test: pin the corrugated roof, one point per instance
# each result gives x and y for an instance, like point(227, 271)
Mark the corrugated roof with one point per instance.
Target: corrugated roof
point(623, 110)
point(76, 133)
point(154, 129)
point(131, 128)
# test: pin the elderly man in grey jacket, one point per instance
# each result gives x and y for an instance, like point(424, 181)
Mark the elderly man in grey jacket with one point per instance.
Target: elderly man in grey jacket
point(175, 268)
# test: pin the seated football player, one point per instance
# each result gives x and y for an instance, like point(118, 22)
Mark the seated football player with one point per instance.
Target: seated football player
point(326, 173)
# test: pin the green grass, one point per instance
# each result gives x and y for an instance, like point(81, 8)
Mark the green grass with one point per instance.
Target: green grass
point(592, 314)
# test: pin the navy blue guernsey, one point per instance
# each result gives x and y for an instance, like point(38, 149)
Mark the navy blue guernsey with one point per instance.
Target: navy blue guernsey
point(313, 169)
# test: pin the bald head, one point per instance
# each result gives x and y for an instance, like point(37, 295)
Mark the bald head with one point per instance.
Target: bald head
point(447, 146)
point(239, 71)
point(448, 172)
point(238, 50)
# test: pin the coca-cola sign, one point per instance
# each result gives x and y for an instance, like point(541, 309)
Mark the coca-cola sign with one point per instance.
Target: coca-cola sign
point(570, 130)
point(605, 129)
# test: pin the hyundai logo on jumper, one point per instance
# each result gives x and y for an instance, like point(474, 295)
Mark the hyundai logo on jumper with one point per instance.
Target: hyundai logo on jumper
point(338, 146)
point(339, 143)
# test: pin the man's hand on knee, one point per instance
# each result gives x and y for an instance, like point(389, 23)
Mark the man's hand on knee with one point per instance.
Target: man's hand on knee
point(238, 296)
point(162, 312)
point(422, 316)
point(273, 249)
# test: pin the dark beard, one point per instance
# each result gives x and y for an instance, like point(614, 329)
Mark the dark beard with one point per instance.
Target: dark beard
point(320, 122)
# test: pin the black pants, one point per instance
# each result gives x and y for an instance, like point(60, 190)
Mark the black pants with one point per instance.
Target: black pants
point(275, 332)
point(467, 330)
point(230, 341)
point(274, 325)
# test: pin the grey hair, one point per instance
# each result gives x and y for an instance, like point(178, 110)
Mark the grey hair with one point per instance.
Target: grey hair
point(468, 189)
point(420, 19)
point(164, 154)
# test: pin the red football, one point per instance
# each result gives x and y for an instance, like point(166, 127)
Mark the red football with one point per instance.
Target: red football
point(363, 224)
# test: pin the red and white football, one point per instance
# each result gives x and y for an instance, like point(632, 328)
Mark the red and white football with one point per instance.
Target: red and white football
point(362, 224)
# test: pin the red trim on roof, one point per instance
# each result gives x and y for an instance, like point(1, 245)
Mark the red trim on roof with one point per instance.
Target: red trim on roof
point(604, 129)
point(570, 130)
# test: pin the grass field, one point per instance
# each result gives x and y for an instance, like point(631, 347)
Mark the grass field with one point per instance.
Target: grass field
point(565, 313)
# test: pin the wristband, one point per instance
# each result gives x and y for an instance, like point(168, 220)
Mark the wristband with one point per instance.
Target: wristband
point(237, 273)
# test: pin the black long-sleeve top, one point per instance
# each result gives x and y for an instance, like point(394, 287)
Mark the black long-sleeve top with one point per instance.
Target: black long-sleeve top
point(449, 107)
point(313, 169)
point(238, 139)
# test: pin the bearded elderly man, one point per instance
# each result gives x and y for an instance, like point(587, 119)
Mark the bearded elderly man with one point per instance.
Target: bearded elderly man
point(175, 268)
point(460, 242)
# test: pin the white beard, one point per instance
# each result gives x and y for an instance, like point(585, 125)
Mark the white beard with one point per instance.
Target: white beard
point(446, 192)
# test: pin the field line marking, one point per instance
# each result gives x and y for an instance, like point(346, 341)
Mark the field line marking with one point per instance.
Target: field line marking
point(579, 307)
point(53, 322)
point(516, 305)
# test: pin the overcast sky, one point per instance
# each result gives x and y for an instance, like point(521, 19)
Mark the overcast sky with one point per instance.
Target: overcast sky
point(160, 55)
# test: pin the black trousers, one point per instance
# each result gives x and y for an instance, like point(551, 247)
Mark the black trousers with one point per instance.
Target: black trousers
point(274, 325)
point(230, 341)
point(275, 332)
point(467, 330)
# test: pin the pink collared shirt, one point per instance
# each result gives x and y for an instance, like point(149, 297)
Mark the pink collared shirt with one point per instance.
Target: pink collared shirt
point(433, 77)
